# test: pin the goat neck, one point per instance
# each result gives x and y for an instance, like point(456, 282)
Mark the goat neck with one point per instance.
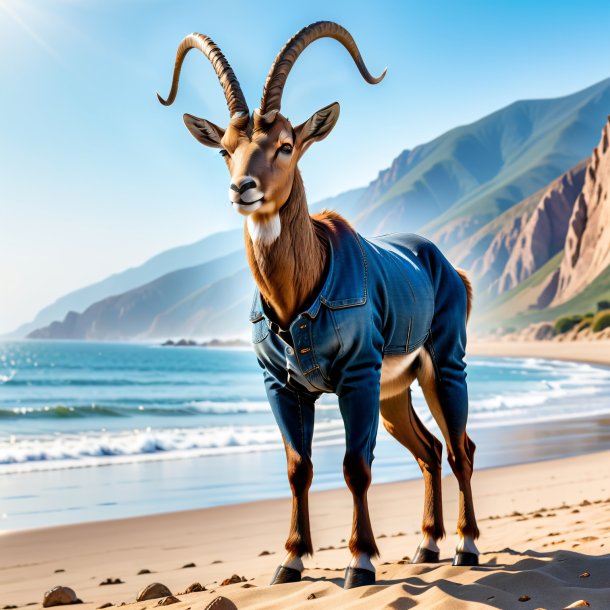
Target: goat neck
point(290, 269)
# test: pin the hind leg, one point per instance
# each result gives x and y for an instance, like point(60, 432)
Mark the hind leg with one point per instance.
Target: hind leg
point(448, 402)
point(401, 421)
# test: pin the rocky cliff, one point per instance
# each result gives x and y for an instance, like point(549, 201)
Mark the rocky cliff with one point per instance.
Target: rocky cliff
point(544, 234)
point(587, 245)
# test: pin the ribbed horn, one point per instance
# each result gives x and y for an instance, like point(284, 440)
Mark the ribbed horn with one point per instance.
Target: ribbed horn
point(274, 86)
point(233, 93)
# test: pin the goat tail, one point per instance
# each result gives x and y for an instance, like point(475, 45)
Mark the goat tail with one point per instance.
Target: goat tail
point(469, 292)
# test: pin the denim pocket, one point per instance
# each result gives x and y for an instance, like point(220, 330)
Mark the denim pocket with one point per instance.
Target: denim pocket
point(260, 331)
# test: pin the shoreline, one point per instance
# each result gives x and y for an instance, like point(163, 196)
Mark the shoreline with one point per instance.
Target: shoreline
point(34, 499)
point(567, 500)
point(190, 484)
point(590, 352)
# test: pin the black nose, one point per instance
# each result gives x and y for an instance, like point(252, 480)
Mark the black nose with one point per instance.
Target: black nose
point(244, 186)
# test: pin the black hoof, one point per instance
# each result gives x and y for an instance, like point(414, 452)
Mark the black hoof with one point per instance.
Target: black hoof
point(283, 575)
point(463, 558)
point(423, 555)
point(358, 577)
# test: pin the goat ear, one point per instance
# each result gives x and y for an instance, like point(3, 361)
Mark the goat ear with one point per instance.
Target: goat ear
point(318, 126)
point(204, 131)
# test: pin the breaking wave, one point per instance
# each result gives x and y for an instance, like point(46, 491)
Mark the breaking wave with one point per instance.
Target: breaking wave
point(55, 452)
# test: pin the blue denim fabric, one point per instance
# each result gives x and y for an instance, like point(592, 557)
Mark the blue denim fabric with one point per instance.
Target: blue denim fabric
point(386, 295)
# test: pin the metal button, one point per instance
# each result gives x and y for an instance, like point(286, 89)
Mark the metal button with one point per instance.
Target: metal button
point(289, 351)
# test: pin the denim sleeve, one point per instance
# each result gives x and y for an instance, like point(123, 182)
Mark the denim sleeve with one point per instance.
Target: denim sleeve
point(447, 346)
point(293, 411)
point(357, 375)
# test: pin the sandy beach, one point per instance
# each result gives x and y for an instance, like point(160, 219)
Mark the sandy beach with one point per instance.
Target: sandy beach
point(594, 352)
point(545, 538)
point(544, 525)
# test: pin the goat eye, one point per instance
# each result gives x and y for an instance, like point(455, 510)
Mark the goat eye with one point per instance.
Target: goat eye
point(286, 149)
point(223, 153)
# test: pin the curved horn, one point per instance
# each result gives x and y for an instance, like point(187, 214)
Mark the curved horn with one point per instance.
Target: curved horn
point(274, 86)
point(233, 93)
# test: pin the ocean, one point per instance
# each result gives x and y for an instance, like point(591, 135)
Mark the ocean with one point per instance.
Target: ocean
point(94, 431)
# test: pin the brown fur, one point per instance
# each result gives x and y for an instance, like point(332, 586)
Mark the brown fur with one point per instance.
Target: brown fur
point(357, 475)
point(290, 270)
point(461, 458)
point(401, 421)
point(469, 291)
point(460, 450)
point(300, 475)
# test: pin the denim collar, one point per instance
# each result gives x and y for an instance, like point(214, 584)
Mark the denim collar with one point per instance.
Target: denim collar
point(345, 284)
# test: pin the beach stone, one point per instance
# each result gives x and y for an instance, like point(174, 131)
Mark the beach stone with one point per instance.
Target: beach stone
point(59, 596)
point(189, 565)
point(112, 581)
point(233, 580)
point(106, 605)
point(144, 571)
point(194, 588)
point(153, 591)
point(221, 603)
point(581, 603)
point(168, 601)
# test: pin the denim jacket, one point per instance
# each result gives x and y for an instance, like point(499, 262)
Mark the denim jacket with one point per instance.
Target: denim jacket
point(378, 298)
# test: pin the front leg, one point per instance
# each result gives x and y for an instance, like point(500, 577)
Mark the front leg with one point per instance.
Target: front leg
point(359, 406)
point(294, 413)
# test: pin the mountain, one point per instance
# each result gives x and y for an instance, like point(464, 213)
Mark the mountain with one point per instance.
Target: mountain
point(517, 243)
point(215, 245)
point(560, 262)
point(498, 195)
point(134, 314)
point(587, 247)
point(452, 186)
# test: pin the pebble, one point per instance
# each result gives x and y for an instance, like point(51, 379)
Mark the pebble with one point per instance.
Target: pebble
point(231, 581)
point(59, 596)
point(153, 591)
point(221, 603)
point(168, 601)
point(112, 581)
point(195, 587)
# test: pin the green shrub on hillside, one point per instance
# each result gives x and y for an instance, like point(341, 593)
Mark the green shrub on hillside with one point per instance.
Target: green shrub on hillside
point(603, 305)
point(566, 323)
point(601, 321)
point(584, 323)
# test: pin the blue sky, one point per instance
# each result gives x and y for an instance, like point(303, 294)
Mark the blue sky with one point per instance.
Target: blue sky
point(96, 176)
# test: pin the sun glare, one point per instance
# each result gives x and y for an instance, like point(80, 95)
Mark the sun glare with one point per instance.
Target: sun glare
point(15, 11)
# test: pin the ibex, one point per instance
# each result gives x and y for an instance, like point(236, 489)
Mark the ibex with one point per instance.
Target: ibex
point(337, 313)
